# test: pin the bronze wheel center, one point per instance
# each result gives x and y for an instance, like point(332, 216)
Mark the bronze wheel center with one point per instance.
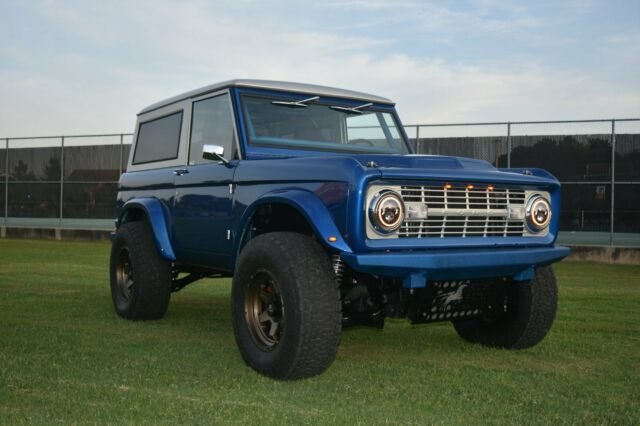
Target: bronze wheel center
point(264, 310)
point(124, 274)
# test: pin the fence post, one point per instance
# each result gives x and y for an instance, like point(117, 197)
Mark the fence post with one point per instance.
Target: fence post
point(3, 231)
point(59, 229)
point(613, 178)
point(509, 144)
point(121, 154)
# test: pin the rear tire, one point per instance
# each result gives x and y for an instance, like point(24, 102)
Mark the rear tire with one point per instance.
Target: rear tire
point(530, 314)
point(140, 277)
point(286, 306)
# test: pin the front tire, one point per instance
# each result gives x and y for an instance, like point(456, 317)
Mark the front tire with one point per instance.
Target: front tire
point(140, 277)
point(286, 306)
point(531, 310)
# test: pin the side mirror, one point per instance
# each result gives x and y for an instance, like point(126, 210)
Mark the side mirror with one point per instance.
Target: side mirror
point(214, 153)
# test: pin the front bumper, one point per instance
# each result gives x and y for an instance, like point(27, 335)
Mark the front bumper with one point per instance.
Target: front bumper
point(417, 267)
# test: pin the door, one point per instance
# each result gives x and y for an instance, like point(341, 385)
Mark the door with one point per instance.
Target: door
point(203, 213)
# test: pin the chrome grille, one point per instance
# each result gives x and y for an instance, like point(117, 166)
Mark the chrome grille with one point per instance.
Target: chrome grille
point(465, 211)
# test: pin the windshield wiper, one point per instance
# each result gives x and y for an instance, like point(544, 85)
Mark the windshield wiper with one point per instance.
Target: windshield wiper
point(296, 104)
point(352, 110)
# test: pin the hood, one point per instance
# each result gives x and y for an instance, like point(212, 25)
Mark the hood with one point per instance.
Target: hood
point(373, 166)
point(447, 168)
point(415, 161)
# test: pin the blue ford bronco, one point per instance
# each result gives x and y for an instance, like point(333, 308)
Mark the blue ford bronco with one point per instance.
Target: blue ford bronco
point(312, 199)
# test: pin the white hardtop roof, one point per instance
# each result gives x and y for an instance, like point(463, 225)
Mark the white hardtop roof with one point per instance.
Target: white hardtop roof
point(286, 86)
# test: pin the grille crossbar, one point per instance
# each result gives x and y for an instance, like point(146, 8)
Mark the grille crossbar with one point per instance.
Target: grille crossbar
point(465, 212)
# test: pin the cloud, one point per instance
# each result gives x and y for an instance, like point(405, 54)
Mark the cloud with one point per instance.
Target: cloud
point(91, 66)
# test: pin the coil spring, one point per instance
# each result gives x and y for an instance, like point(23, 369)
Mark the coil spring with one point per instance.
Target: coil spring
point(338, 267)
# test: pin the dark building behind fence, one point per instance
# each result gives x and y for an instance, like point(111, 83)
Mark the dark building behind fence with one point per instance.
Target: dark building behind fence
point(71, 182)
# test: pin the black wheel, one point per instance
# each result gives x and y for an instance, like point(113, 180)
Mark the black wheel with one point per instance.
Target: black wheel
point(531, 310)
point(140, 277)
point(286, 306)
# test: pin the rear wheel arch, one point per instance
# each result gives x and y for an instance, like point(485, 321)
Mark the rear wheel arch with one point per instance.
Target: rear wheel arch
point(133, 214)
point(153, 212)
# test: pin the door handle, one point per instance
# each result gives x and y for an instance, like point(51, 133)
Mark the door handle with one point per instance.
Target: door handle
point(180, 172)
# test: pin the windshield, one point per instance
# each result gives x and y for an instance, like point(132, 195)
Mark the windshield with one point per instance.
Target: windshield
point(310, 125)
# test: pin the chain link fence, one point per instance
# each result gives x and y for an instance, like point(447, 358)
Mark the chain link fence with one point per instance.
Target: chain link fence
point(597, 162)
point(64, 182)
point(70, 182)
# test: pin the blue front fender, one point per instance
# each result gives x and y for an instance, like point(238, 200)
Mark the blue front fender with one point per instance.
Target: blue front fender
point(157, 217)
point(311, 208)
point(530, 171)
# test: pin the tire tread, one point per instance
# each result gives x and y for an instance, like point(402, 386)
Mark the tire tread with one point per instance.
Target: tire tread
point(319, 333)
point(536, 306)
point(152, 273)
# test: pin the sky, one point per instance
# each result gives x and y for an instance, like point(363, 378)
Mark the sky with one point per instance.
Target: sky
point(77, 67)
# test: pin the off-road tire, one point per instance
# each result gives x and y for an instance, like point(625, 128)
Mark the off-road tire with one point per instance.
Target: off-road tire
point(149, 296)
point(310, 297)
point(531, 312)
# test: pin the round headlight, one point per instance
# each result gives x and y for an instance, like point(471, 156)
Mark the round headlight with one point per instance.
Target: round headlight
point(386, 211)
point(538, 212)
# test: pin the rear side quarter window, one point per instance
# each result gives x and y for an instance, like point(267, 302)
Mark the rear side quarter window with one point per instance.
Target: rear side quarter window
point(158, 139)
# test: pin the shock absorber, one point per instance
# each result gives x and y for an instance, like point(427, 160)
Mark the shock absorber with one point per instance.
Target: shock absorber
point(338, 267)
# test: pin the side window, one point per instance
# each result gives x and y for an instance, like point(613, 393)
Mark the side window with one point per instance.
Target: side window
point(374, 129)
point(158, 139)
point(211, 124)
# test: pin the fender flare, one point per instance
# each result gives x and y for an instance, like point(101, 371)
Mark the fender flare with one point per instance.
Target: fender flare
point(309, 206)
point(157, 217)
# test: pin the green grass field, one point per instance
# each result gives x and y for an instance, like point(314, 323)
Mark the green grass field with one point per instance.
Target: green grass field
point(65, 357)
